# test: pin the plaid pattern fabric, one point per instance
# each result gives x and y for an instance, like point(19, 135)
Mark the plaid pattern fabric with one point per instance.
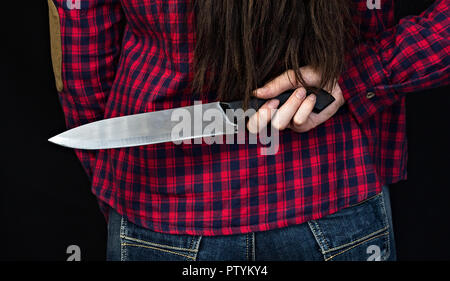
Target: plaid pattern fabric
point(133, 56)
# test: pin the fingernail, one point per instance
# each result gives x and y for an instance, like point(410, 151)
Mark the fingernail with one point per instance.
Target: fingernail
point(262, 91)
point(300, 94)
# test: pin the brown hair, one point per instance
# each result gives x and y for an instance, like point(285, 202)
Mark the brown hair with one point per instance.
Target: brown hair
point(242, 44)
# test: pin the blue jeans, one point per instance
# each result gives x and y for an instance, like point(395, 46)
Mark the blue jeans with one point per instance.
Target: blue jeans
point(362, 232)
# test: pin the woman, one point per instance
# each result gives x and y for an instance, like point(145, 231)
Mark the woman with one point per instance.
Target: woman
point(323, 195)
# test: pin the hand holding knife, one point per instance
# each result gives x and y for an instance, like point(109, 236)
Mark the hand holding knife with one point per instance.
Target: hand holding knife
point(157, 127)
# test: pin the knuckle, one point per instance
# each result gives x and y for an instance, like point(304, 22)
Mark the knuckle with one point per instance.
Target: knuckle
point(298, 129)
point(250, 129)
point(277, 125)
point(290, 73)
point(298, 122)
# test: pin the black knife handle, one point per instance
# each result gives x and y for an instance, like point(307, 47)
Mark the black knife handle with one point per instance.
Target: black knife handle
point(323, 99)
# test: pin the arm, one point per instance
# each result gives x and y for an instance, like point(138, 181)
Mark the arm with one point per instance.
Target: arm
point(85, 43)
point(411, 56)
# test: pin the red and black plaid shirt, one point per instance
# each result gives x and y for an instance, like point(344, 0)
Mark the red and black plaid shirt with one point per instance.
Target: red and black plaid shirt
point(133, 56)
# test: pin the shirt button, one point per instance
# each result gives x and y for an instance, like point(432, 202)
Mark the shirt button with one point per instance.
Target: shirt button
point(370, 95)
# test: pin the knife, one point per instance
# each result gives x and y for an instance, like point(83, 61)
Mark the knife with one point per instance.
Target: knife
point(158, 126)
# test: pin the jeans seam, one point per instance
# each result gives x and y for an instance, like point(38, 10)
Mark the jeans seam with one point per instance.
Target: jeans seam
point(192, 242)
point(197, 246)
point(386, 220)
point(367, 199)
point(158, 245)
point(158, 249)
point(363, 239)
point(356, 245)
point(122, 231)
point(318, 235)
point(253, 247)
point(246, 243)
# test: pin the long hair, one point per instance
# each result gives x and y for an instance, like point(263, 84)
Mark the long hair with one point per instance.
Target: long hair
point(242, 44)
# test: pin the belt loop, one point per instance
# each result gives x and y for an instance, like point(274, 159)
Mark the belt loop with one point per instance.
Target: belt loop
point(253, 247)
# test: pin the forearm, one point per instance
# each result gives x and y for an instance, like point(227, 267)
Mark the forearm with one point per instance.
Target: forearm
point(411, 56)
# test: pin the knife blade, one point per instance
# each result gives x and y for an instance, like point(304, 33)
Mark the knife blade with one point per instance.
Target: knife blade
point(165, 125)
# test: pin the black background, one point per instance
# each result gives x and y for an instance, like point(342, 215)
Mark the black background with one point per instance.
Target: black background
point(45, 199)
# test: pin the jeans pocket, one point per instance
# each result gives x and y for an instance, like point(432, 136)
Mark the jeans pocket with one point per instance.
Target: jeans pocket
point(141, 244)
point(357, 233)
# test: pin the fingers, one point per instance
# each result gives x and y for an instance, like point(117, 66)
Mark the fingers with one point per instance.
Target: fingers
point(296, 112)
point(280, 84)
point(297, 104)
point(302, 114)
point(263, 116)
point(287, 81)
point(284, 115)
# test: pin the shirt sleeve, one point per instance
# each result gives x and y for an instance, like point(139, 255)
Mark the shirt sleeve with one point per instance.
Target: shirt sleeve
point(411, 56)
point(85, 41)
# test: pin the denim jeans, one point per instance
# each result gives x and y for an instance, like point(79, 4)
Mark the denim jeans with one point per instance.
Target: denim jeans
point(362, 232)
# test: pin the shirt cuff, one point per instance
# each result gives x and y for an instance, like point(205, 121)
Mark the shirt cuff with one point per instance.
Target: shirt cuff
point(365, 83)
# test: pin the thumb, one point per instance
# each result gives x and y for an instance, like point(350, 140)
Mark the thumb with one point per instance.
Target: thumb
point(278, 85)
